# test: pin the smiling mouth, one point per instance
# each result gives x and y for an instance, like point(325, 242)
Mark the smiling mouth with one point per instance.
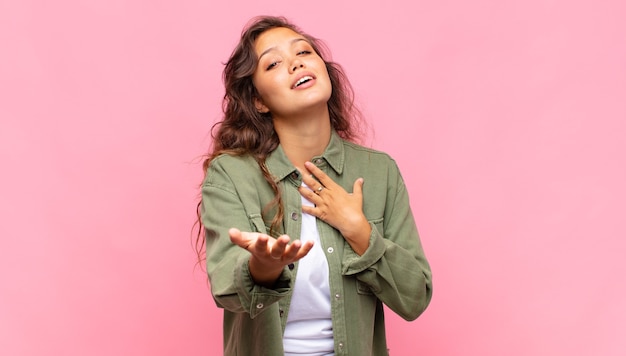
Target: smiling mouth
point(303, 80)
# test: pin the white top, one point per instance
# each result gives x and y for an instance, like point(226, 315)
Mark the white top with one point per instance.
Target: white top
point(309, 329)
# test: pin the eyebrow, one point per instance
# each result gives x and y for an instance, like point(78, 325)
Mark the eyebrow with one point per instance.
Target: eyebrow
point(295, 40)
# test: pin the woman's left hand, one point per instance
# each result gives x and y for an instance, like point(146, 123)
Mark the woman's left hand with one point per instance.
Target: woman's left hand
point(335, 206)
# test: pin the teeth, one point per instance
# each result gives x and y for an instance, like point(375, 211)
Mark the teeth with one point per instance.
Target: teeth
point(303, 80)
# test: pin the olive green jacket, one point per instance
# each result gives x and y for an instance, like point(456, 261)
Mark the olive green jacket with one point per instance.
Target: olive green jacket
point(393, 270)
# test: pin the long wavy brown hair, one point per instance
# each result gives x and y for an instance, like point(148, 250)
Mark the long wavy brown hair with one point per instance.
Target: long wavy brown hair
point(245, 131)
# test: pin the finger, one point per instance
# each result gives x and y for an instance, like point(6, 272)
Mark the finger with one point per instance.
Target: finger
point(357, 189)
point(252, 241)
point(309, 194)
point(310, 210)
point(319, 174)
point(259, 247)
point(311, 183)
point(292, 250)
point(237, 238)
point(277, 249)
point(304, 249)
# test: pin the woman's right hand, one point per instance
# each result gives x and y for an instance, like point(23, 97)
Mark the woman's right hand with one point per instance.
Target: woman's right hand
point(269, 255)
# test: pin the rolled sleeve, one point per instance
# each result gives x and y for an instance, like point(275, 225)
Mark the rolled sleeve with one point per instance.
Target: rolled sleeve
point(223, 206)
point(394, 267)
point(353, 263)
point(255, 298)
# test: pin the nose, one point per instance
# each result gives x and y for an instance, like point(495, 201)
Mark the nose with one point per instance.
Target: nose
point(296, 65)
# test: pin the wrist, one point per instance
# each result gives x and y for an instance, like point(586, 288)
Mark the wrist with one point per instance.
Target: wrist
point(262, 273)
point(359, 237)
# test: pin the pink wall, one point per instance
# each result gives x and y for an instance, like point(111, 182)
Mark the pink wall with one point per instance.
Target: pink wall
point(506, 118)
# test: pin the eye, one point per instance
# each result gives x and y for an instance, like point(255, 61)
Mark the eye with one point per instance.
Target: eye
point(304, 52)
point(271, 65)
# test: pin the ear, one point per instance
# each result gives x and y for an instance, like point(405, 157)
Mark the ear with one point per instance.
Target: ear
point(260, 107)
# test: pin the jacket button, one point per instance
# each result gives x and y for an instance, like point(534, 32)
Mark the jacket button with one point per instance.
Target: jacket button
point(291, 266)
point(259, 306)
point(330, 250)
point(294, 216)
point(317, 161)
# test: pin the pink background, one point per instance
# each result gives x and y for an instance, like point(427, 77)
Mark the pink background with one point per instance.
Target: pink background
point(506, 118)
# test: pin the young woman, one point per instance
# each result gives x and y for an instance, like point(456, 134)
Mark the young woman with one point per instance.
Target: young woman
point(307, 233)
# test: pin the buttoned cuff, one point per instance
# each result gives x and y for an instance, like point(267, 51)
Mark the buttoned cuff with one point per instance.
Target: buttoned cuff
point(353, 263)
point(255, 298)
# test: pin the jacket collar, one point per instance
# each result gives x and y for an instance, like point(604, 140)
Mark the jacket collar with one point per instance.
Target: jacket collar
point(280, 166)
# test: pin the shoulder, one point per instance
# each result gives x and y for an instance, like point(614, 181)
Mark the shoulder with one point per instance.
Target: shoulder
point(231, 167)
point(228, 160)
point(359, 154)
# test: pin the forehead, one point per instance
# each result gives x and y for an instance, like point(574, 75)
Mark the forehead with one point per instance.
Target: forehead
point(275, 37)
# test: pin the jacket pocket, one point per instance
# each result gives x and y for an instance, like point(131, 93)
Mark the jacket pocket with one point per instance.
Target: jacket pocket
point(378, 224)
point(363, 288)
point(257, 224)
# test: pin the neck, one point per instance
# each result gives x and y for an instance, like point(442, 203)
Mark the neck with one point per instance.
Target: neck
point(304, 136)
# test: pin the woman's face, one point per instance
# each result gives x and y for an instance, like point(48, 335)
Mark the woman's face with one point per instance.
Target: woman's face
point(290, 76)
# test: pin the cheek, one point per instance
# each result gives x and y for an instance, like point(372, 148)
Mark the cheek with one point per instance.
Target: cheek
point(324, 71)
point(327, 80)
point(265, 85)
point(267, 90)
point(261, 90)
